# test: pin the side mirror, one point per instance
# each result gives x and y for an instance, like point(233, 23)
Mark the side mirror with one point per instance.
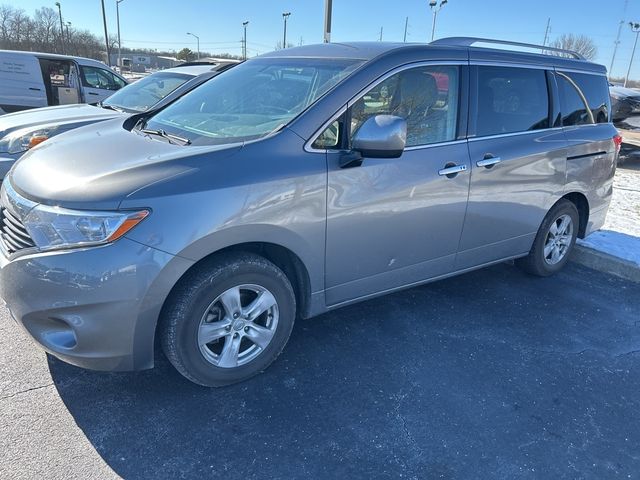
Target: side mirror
point(381, 136)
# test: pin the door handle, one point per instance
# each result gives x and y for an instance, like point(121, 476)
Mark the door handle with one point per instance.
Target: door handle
point(35, 89)
point(94, 93)
point(488, 162)
point(451, 170)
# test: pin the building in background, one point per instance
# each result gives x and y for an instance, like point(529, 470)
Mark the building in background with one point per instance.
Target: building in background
point(140, 63)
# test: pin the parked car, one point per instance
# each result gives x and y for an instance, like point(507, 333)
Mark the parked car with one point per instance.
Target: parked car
point(33, 80)
point(21, 131)
point(289, 186)
point(624, 102)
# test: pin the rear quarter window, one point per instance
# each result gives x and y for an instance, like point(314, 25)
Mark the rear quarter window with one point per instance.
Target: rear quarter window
point(511, 100)
point(584, 98)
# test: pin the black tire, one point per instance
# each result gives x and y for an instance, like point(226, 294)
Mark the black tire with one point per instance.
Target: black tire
point(535, 263)
point(190, 300)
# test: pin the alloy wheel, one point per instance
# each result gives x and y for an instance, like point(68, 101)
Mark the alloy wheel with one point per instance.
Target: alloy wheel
point(238, 326)
point(558, 240)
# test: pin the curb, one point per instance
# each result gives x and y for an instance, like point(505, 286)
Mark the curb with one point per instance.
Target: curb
point(606, 263)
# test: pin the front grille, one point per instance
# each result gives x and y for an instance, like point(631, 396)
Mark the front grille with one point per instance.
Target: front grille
point(13, 235)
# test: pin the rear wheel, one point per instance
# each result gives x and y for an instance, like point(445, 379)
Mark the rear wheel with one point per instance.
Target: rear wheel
point(554, 241)
point(228, 320)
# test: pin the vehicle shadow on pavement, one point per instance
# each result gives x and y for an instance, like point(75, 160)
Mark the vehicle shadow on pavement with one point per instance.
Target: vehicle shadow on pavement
point(491, 374)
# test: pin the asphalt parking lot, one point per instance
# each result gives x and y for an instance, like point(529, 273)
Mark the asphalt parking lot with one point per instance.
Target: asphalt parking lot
point(493, 374)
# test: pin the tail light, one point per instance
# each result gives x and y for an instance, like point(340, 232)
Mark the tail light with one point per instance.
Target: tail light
point(617, 140)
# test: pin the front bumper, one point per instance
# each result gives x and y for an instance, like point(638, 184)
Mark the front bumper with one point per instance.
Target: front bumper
point(95, 308)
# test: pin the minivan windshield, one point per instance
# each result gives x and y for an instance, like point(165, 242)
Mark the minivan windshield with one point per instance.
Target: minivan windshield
point(143, 94)
point(251, 100)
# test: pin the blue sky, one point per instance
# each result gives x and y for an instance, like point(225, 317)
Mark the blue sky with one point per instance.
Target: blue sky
point(163, 24)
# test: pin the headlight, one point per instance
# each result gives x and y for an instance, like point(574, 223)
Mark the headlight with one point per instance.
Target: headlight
point(24, 139)
point(55, 228)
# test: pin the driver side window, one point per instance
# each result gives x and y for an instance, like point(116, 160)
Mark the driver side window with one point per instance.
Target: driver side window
point(425, 97)
point(94, 77)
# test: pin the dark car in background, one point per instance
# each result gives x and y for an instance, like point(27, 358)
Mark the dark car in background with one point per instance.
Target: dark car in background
point(23, 130)
point(625, 102)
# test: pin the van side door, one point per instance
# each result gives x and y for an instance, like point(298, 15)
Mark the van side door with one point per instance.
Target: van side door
point(392, 222)
point(98, 83)
point(591, 157)
point(518, 158)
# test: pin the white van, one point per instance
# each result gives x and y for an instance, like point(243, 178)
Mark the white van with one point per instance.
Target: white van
point(32, 80)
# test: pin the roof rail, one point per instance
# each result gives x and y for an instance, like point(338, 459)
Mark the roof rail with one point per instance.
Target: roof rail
point(469, 41)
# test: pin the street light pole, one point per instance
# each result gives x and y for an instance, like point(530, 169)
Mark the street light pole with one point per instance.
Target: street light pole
point(198, 42)
point(635, 27)
point(61, 29)
point(118, 2)
point(406, 25)
point(435, 8)
point(244, 41)
point(615, 46)
point(67, 25)
point(328, 7)
point(106, 34)
point(284, 36)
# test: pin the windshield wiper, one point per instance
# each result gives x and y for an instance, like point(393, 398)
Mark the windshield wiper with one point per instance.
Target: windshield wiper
point(161, 133)
point(110, 107)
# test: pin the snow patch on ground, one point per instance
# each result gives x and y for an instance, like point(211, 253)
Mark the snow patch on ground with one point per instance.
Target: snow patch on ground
point(624, 211)
point(620, 235)
point(617, 244)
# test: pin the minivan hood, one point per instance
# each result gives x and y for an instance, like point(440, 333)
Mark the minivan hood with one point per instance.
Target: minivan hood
point(53, 115)
point(97, 166)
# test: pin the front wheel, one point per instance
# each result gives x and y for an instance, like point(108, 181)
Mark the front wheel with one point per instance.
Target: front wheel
point(554, 241)
point(228, 320)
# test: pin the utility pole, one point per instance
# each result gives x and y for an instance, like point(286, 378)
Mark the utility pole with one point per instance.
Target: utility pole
point(61, 29)
point(381, 33)
point(635, 28)
point(285, 16)
point(435, 8)
point(197, 42)
point(244, 40)
point(615, 46)
point(327, 20)
point(406, 25)
point(546, 32)
point(67, 25)
point(106, 34)
point(118, 2)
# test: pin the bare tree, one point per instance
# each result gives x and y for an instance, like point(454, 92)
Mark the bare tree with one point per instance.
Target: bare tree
point(279, 45)
point(6, 17)
point(46, 31)
point(21, 27)
point(41, 32)
point(113, 43)
point(578, 43)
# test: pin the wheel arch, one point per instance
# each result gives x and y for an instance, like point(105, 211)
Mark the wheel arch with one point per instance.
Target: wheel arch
point(283, 257)
point(288, 251)
point(582, 205)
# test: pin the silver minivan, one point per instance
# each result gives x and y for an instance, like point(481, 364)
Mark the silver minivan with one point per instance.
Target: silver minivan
point(298, 182)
